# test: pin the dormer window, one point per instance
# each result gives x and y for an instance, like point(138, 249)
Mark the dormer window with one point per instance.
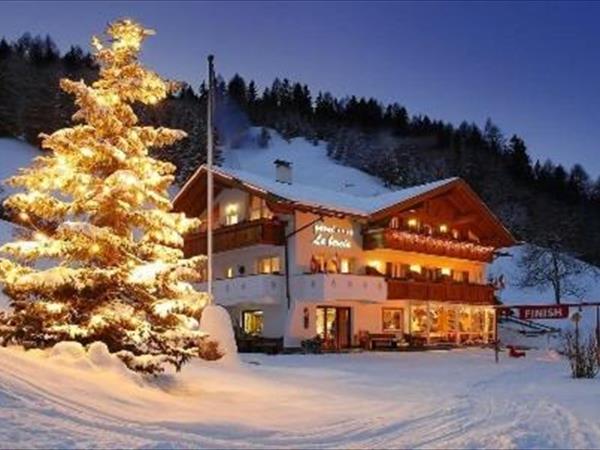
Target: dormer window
point(231, 214)
point(412, 223)
point(259, 209)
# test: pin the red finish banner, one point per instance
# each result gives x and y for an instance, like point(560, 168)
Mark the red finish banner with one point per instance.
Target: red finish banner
point(544, 312)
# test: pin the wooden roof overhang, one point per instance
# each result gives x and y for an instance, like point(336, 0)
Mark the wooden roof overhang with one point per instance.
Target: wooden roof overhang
point(460, 195)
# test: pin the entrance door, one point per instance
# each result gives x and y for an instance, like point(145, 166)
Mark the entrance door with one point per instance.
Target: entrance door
point(334, 327)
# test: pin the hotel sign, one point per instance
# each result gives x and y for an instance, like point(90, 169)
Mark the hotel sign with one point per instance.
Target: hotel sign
point(544, 312)
point(332, 236)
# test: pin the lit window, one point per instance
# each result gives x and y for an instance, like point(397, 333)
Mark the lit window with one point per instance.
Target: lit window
point(344, 265)
point(375, 265)
point(317, 264)
point(412, 223)
point(259, 209)
point(269, 265)
point(443, 228)
point(393, 319)
point(231, 215)
point(252, 322)
point(446, 271)
point(229, 272)
point(415, 268)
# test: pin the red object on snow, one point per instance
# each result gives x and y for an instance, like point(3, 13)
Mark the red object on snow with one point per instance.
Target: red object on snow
point(514, 353)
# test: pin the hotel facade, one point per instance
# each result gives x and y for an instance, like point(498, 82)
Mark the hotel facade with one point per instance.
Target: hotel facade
point(296, 262)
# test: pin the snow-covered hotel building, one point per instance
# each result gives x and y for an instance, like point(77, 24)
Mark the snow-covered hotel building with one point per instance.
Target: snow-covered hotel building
point(294, 261)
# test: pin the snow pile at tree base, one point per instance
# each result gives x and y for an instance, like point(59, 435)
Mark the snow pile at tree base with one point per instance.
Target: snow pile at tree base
point(95, 358)
point(216, 322)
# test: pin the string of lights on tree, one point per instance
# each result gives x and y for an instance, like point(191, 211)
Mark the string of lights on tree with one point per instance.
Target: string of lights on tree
point(103, 260)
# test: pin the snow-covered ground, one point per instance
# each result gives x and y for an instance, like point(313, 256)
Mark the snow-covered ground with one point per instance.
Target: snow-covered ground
point(457, 399)
point(513, 294)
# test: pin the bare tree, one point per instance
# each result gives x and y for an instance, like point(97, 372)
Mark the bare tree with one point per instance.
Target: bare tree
point(551, 266)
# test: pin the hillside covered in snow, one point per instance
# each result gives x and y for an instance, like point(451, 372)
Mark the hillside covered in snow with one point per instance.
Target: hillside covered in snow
point(311, 165)
point(312, 168)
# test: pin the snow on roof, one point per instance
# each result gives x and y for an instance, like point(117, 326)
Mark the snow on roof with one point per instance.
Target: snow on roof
point(328, 199)
point(319, 181)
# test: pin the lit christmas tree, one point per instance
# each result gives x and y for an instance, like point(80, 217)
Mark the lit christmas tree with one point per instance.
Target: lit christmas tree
point(103, 258)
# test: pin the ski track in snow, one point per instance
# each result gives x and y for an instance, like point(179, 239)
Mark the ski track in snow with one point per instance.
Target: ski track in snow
point(503, 406)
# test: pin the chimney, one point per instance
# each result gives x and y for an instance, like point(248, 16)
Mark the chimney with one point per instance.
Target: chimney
point(283, 171)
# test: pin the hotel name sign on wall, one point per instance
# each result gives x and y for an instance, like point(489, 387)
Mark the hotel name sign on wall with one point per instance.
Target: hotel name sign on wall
point(332, 236)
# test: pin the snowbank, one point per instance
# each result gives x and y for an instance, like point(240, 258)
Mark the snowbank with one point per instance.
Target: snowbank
point(95, 358)
point(367, 400)
point(216, 322)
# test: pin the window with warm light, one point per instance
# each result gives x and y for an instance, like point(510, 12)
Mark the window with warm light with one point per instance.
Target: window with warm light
point(443, 229)
point(415, 268)
point(231, 214)
point(375, 265)
point(446, 271)
point(270, 264)
point(229, 272)
point(345, 265)
point(393, 319)
point(252, 322)
point(259, 209)
point(412, 223)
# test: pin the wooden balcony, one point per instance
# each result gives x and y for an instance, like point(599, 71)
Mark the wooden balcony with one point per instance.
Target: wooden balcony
point(414, 242)
point(440, 291)
point(243, 234)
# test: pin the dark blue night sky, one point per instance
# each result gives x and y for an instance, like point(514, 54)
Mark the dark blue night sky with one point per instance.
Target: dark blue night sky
point(533, 67)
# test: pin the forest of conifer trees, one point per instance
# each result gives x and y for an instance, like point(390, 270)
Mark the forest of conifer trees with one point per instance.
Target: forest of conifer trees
point(540, 202)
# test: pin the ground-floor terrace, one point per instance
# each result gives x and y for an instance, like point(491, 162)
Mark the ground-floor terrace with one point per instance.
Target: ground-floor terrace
point(340, 325)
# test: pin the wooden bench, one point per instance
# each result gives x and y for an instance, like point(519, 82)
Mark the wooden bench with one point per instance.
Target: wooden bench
point(370, 341)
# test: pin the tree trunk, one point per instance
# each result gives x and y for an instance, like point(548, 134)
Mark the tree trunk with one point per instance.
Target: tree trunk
point(556, 282)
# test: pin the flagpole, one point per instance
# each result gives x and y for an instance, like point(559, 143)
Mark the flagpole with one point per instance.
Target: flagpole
point(209, 176)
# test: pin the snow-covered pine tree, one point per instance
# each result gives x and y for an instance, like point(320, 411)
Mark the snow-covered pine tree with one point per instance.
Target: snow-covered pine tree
point(103, 261)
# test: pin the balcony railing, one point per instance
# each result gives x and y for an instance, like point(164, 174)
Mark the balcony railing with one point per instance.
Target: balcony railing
point(337, 286)
point(264, 289)
point(420, 243)
point(440, 291)
point(231, 237)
